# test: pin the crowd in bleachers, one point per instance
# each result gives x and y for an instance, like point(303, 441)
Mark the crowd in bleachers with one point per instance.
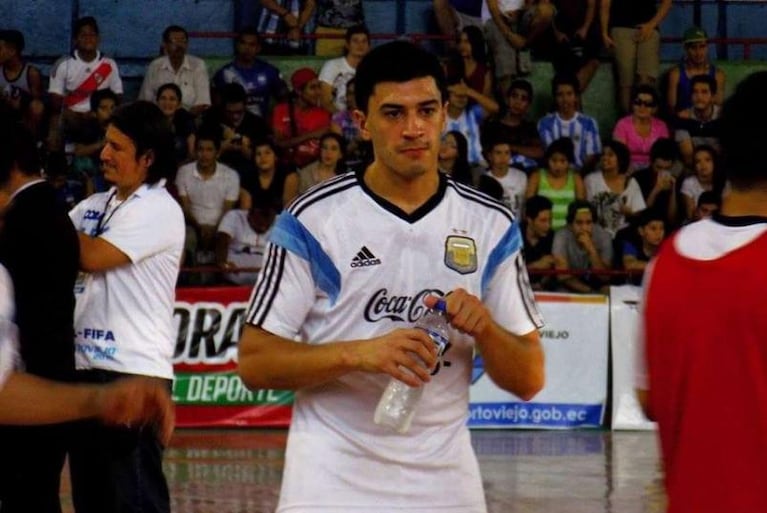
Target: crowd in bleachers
point(248, 141)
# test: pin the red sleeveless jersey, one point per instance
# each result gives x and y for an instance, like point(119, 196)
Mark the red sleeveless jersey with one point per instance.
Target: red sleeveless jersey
point(706, 350)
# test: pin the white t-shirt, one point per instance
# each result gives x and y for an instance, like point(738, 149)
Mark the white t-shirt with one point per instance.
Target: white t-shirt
point(692, 188)
point(333, 276)
point(124, 316)
point(70, 72)
point(9, 355)
point(207, 196)
point(505, 6)
point(608, 203)
point(246, 248)
point(191, 78)
point(337, 73)
point(514, 185)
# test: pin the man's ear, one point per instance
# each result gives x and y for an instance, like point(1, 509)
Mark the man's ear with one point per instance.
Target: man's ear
point(147, 158)
point(360, 119)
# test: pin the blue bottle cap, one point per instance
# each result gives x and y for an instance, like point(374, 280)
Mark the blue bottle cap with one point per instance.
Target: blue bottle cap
point(440, 306)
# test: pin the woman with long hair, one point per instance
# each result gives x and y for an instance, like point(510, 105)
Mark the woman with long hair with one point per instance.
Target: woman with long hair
point(330, 163)
point(454, 157)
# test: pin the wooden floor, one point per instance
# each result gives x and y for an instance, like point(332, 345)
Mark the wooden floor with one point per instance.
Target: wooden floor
point(238, 471)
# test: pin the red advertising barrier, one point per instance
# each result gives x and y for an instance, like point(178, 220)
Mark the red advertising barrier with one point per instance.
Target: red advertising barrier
point(207, 390)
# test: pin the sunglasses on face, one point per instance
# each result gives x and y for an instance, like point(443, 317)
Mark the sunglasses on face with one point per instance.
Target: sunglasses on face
point(644, 103)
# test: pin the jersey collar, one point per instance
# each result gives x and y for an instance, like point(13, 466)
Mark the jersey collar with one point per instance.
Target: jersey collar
point(418, 213)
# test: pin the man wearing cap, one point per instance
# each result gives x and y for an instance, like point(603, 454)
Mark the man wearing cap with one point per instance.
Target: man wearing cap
point(299, 122)
point(695, 62)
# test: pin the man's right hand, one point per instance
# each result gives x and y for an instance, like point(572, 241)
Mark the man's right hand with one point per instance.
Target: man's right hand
point(138, 401)
point(407, 354)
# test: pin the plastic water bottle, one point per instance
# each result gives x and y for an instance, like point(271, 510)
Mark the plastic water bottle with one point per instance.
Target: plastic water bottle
point(398, 403)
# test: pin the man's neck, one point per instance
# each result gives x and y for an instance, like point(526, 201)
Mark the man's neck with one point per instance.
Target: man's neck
point(697, 68)
point(704, 114)
point(752, 202)
point(88, 55)
point(207, 170)
point(530, 236)
point(353, 60)
point(176, 62)
point(567, 115)
point(408, 194)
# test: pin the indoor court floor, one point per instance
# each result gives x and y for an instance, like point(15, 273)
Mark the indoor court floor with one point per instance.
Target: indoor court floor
point(594, 471)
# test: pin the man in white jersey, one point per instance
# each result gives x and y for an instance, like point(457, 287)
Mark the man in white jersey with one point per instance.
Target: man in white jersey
point(331, 313)
point(124, 309)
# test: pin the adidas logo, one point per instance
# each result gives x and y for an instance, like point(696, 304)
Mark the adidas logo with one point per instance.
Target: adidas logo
point(365, 258)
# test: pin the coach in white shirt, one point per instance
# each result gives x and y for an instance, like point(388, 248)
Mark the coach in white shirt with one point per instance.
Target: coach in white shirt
point(131, 242)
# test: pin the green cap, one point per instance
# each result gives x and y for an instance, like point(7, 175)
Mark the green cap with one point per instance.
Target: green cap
point(694, 35)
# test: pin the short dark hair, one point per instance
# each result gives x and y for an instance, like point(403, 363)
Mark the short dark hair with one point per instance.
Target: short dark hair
point(563, 145)
point(537, 204)
point(398, 61)
point(477, 41)
point(741, 139)
point(169, 85)
point(664, 148)
point(102, 94)
point(704, 79)
point(490, 186)
point(648, 90)
point(561, 79)
point(18, 150)
point(173, 28)
point(14, 38)
point(647, 216)
point(209, 132)
point(356, 29)
point(233, 93)
point(710, 197)
point(522, 85)
point(575, 206)
point(146, 126)
point(621, 152)
point(81, 23)
point(248, 30)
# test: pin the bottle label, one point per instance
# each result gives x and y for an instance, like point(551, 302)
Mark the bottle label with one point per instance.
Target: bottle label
point(439, 340)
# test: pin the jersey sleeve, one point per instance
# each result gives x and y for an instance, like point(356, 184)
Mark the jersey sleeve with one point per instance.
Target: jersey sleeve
point(287, 285)
point(506, 289)
point(129, 229)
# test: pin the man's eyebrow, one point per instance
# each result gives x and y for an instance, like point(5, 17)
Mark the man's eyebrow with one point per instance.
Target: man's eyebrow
point(427, 103)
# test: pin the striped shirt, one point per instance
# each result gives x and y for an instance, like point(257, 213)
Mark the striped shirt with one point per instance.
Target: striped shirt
point(582, 129)
point(561, 198)
point(468, 124)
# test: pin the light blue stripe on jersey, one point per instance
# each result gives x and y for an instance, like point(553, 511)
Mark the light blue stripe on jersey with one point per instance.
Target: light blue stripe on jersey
point(507, 246)
point(289, 233)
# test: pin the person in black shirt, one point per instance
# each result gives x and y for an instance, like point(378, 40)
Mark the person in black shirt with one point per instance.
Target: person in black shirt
point(538, 235)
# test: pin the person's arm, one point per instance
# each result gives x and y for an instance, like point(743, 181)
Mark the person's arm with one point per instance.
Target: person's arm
point(580, 188)
point(532, 184)
point(604, 23)
point(327, 97)
point(222, 248)
point(246, 200)
point(720, 83)
point(646, 29)
point(27, 399)
point(588, 19)
point(35, 83)
point(513, 362)
point(266, 360)
point(96, 254)
point(290, 189)
point(671, 89)
point(306, 13)
point(569, 281)
point(632, 263)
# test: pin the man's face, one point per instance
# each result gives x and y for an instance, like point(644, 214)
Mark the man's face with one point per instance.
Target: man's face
point(206, 153)
point(234, 114)
point(260, 220)
point(652, 233)
point(176, 44)
point(120, 164)
point(519, 102)
point(105, 109)
point(404, 122)
point(660, 166)
point(457, 100)
point(87, 40)
point(701, 96)
point(566, 99)
point(541, 225)
point(706, 210)
point(358, 45)
point(6, 52)
point(499, 157)
point(311, 93)
point(247, 47)
point(583, 222)
point(697, 53)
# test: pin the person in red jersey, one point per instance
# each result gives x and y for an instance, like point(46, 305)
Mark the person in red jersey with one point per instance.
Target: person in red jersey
point(703, 377)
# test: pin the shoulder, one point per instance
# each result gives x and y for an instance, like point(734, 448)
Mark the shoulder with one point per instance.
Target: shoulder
point(59, 63)
point(325, 196)
point(195, 62)
point(479, 203)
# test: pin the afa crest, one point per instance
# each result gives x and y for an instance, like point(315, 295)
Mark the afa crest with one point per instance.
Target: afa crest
point(461, 254)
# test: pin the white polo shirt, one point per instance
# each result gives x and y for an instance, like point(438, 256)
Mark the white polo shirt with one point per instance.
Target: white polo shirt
point(191, 78)
point(207, 195)
point(70, 74)
point(124, 316)
point(8, 335)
